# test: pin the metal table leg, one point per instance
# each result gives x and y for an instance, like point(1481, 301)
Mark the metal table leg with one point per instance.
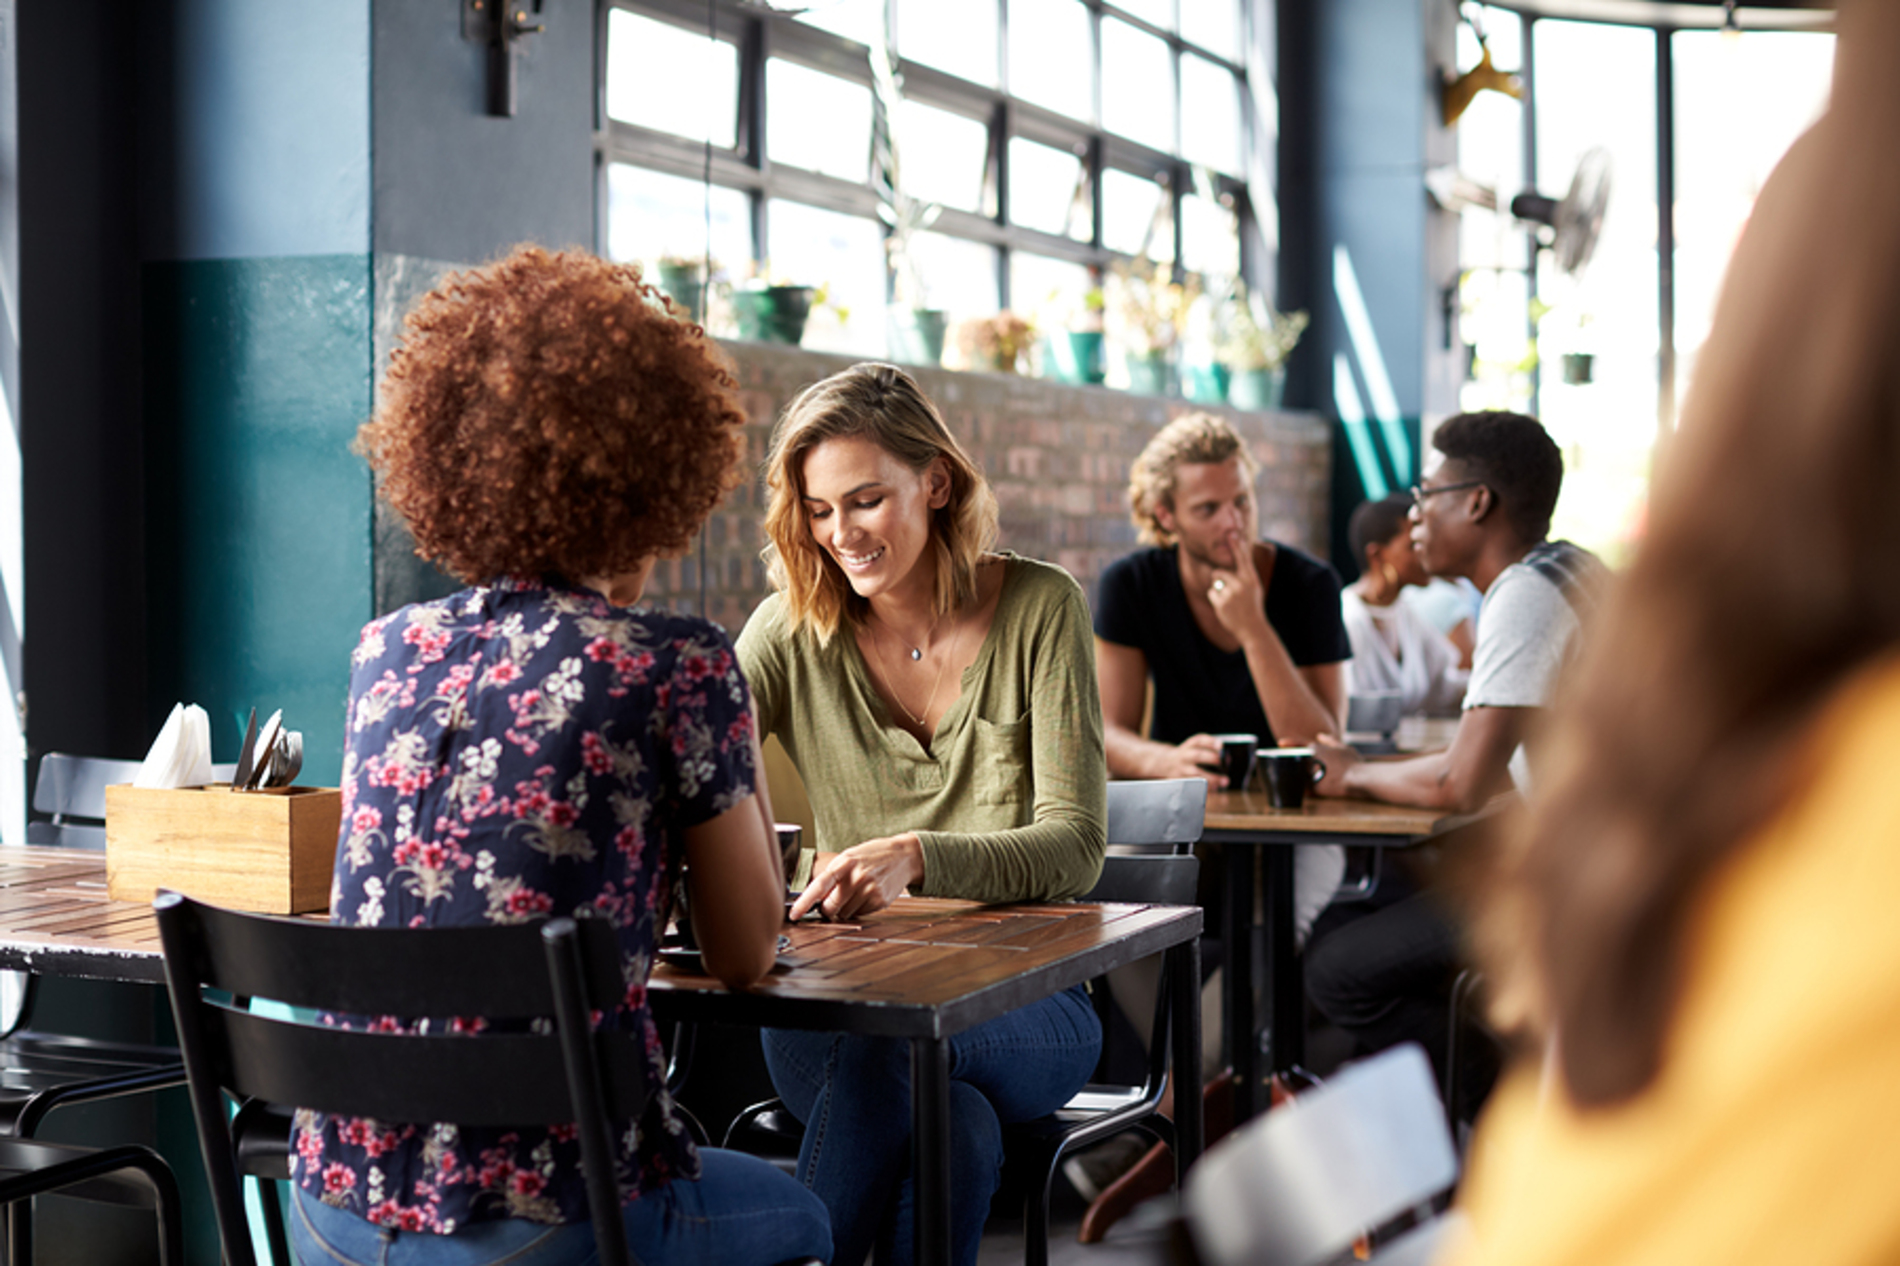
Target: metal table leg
point(930, 1126)
point(1286, 1008)
point(1239, 1018)
point(1184, 981)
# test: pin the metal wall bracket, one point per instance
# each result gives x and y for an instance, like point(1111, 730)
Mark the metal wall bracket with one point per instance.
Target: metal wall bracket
point(498, 25)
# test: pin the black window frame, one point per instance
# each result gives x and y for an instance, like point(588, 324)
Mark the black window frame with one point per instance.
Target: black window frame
point(1529, 13)
point(760, 34)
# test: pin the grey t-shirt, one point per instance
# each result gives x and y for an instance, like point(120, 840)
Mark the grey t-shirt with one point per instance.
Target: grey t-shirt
point(1527, 632)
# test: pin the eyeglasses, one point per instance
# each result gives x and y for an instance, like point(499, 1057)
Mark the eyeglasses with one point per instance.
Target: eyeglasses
point(1419, 492)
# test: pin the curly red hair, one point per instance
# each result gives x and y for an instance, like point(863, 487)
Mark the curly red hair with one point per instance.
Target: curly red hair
point(547, 416)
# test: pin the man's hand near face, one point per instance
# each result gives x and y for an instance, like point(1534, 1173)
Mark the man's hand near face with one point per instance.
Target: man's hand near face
point(1239, 603)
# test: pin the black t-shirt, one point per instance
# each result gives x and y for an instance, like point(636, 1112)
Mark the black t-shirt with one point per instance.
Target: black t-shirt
point(1200, 688)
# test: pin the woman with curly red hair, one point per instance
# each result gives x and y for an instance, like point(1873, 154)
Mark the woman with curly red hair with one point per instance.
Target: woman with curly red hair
point(540, 744)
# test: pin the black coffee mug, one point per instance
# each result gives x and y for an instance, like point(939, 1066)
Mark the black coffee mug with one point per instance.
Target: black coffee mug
point(1289, 771)
point(1236, 758)
point(791, 842)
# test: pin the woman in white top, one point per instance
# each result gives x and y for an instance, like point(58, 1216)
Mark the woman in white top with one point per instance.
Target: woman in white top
point(1393, 646)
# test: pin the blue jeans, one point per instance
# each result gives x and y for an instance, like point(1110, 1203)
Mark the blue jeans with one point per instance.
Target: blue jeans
point(853, 1094)
point(740, 1212)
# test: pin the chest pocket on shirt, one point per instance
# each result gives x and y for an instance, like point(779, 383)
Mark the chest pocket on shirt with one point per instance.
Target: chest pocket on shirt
point(1001, 751)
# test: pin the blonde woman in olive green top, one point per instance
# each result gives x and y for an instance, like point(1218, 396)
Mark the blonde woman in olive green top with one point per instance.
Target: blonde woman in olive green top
point(1006, 799)
point(939, 702)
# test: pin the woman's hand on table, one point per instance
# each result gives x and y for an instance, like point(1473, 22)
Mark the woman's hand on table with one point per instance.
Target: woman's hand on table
point(1340, 759)
point(862, 879)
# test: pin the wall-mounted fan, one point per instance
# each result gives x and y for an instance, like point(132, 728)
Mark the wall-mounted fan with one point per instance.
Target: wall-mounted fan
point(1575, 221)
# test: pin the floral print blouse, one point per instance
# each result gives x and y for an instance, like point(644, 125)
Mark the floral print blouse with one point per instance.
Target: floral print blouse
point(518, 752)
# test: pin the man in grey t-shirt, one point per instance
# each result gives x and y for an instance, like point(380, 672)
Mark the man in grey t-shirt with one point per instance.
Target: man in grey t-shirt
point(1483, 514)
point(1381, 969)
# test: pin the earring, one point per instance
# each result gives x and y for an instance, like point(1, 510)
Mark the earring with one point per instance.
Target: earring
point(1391, 574)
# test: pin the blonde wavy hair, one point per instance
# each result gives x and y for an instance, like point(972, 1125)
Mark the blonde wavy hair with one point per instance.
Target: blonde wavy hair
point(1193, 439)
point(885, 404)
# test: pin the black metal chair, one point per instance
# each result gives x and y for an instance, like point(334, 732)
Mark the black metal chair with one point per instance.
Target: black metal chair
point(1101, 1111)
point(219, 960)
point(126, 1175)
point(41, 1071)
point(1162, 814)
point(1365, 1159)
point(36, 1076)
point(1466, 1028)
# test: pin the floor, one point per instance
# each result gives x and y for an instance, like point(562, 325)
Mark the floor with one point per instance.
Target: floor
point(1138, 1240)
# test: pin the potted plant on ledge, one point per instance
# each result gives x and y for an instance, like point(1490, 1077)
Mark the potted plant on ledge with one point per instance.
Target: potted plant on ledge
point(1146, 313)
point(1073, 353)
point(1203, 376)
point(913, 329)
point(770, 311)
point(1254, 343)
point(995, 344)
point(683, 278)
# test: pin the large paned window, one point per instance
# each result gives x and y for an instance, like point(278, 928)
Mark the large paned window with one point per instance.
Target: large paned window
point(1741, 100)
point(1608, 311)
point(746, 135)
point(1603, 354)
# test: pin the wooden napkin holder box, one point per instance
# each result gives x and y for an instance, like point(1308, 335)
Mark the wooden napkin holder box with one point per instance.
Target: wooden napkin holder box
point(269, 852)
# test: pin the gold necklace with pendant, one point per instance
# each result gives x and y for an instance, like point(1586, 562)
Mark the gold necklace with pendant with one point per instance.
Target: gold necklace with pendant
point(916, 654)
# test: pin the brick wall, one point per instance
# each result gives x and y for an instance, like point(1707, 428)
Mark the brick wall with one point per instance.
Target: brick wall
point(1056, 455)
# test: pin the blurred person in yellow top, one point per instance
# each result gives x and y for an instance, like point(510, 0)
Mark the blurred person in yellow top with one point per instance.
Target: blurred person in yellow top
point(1696, 935)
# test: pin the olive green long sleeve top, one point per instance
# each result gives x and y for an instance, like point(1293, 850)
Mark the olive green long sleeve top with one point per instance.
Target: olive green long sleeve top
point(1009, 799)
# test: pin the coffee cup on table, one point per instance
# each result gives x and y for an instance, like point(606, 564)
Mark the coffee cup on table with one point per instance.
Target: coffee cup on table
point(1289, 771)
point(1236, 758)
point(791, 842)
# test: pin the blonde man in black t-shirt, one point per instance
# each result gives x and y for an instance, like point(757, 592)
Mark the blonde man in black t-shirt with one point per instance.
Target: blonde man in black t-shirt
point(1239, 635)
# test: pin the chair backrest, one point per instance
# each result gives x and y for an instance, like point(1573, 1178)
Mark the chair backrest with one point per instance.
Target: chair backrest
point(1157, 812)
point(1300, 1184)
point(1167, 880)
point(560, 968)
point(75, 786)
point(1164, 814)
point(69, 787)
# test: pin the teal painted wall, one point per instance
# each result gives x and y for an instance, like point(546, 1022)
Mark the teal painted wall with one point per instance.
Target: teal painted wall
point(257, 374)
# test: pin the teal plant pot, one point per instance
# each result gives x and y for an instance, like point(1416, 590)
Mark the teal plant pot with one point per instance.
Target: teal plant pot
point(1076, 356)
point(1206, 384)
point(1259, 389)
point(685, 287)
point(775, 314)
point(1579, 368)
point(1148, 374)
point(914, 336)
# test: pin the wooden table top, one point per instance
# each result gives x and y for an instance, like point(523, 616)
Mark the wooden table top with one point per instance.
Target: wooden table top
point(925, 967)
point(928, 967)
point(55, 918)
point(1248, 811)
